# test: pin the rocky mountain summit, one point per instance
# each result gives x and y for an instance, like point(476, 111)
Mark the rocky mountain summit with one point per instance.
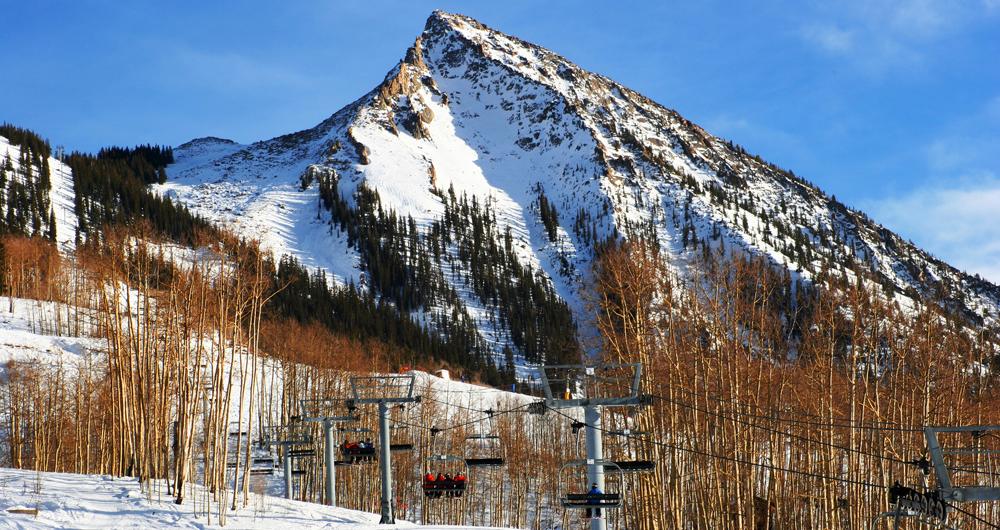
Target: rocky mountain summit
point(472, 187)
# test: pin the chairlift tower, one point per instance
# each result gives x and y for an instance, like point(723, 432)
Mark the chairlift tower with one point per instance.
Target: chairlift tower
point(287, 437)
point(386, 390)
point(948, 490)
point(312, 412)
point(951, 469)
point(593, 387)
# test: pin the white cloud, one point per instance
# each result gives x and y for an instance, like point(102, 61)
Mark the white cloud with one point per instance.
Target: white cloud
point(879, 35)
point(829, 38)
point(961, 152)
point(958, 222)
point(969, 143)
point(924, 18)
point(226, 70)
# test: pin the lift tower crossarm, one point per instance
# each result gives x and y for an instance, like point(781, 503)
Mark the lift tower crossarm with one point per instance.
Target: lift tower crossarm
point(947, 489)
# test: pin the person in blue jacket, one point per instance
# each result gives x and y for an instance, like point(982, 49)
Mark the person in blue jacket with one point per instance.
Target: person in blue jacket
point(594, 512)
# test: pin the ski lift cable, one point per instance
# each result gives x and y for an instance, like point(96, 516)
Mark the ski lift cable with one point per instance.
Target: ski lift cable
point(748, 462)
point(817, 420)
point(875, 425)
point(974, 471)
point(490, 414)
point(415, 425)
point(813, 440)
point(456, 405)
point(783, 433)
point(972, 515)
point(487, 417)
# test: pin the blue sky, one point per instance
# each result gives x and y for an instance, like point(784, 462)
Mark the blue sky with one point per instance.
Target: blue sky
point(892, 106)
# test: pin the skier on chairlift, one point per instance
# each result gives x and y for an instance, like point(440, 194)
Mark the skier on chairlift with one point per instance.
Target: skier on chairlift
point(430, 485)
point(594, 513)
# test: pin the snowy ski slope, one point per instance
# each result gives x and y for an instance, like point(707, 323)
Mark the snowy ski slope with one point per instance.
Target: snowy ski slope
point(98, 502)
point(102, 502)
point(61, 193)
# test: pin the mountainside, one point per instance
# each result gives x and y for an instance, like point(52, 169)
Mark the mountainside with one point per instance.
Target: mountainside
point(473, 186)
point(36, 190)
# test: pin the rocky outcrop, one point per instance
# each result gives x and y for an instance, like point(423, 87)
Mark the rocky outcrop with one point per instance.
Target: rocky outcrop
point(359, 148)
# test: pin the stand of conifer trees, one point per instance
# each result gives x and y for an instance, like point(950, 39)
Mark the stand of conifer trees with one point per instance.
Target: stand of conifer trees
point(111, 189)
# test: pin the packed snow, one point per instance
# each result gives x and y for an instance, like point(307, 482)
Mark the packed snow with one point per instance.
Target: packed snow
point(29, 333)
point(102, 502)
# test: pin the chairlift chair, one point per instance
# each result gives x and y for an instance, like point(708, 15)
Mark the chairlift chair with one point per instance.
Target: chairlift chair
point(588, 501)
point(451, 489)
point(262, 465)
point(263, 460)
point(400, 446)
point(631, 466)
point(356, 454)
point(486, 451)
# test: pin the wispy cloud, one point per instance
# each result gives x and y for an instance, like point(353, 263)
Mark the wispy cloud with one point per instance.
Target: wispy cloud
point(880, 35)
point(969, 143)
point(829, 38)
point(958, 222)
point(228, 70)
point(956, 215)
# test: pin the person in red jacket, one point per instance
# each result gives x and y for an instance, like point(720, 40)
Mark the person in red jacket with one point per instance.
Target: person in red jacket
point(460, 480)
point(429, 485)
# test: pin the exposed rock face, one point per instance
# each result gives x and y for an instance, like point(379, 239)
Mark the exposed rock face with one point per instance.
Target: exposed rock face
point(360, 151)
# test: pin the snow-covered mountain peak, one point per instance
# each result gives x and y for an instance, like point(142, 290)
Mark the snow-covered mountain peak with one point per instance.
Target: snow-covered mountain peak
point(559, 159)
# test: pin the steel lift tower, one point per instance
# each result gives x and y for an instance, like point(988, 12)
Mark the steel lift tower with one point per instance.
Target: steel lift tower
point(287, 437)
point(963, 460)
point(385, 390)
point(313, 411)
point(594, 388)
